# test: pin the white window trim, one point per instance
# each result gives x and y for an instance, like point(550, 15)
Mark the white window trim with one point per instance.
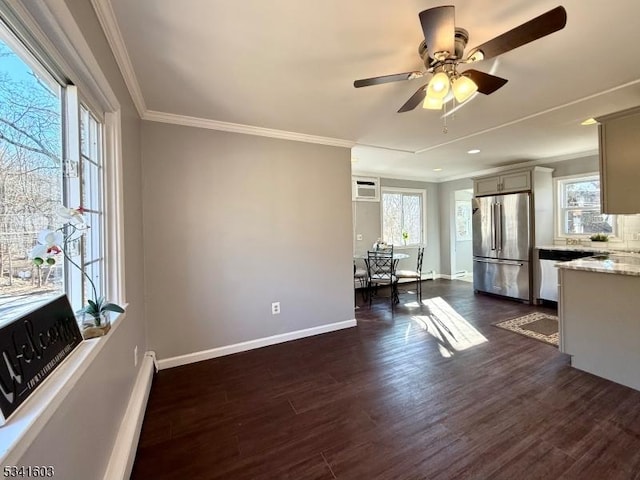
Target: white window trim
point(114, 208)
point(419, 191)
point(557, 219)
point(52, 26)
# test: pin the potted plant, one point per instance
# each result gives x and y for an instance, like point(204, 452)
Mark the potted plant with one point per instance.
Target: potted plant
point(93, 316)
point(405, 237)
point(599, 237)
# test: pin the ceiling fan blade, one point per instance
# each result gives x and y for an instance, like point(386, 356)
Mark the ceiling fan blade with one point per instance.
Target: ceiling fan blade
point(396, 77)
point(486, 82)
point(438, 26)
point(547, 23)
point(415, 100)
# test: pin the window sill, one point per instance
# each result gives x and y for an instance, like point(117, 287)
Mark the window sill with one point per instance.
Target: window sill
point(408, 247)
point(584, 238)
point(30, 418)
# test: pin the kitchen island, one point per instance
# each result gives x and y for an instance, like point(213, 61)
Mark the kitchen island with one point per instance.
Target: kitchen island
point(599, 313)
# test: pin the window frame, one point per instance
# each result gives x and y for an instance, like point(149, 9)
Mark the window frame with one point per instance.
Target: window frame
point(423, 223)
point(93, 201)
point(49, 32)
point(559, 208)
point(75, 196)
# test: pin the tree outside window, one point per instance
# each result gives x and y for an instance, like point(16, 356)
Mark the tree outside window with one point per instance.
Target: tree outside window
point(30, 178)
point(402, 216)
point(579, 207)
point(35, 182)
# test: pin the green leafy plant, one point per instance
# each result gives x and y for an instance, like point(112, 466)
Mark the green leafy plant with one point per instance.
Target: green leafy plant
point(53, 242)
point(99, 306)
point(405, 237)
point(599, 237)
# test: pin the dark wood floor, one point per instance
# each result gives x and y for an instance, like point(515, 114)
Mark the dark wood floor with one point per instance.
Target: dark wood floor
point(428, 392)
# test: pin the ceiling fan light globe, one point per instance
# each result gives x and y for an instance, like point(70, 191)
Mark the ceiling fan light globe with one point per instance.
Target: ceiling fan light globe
point(432, 103)
point(463, 88)
point(438, 85)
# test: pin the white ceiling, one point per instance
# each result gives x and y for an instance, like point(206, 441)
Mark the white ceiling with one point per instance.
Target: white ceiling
point(290, 65)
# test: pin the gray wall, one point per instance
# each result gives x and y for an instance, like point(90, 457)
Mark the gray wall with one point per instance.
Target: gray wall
point(367, 222)
point(575, 166)
point(234, 222)
point(79, 437)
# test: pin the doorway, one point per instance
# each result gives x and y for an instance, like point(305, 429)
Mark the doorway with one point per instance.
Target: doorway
point(462, 240)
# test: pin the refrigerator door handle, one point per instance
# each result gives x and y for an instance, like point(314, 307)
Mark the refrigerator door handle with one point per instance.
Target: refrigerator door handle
point(500, 262)
point(493, 226)
point(499, 224)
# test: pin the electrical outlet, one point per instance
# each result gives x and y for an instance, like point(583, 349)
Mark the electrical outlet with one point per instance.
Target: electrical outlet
point(275, 308)
point(135, 356)
point(359, 237)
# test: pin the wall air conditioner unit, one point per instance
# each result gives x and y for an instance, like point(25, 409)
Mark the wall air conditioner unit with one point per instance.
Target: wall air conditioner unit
point(365, 189)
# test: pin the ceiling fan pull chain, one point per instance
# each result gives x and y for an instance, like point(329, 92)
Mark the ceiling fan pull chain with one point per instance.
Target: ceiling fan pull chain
point(445, 130)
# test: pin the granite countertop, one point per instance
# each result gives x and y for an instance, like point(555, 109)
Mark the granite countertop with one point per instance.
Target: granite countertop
point(619, 263)
point(578, 248)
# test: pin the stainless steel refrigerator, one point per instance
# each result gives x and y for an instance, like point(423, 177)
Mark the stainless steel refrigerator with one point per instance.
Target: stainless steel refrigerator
point(502, 245)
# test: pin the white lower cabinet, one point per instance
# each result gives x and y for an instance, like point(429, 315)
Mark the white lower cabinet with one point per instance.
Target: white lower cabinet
point(600, 324)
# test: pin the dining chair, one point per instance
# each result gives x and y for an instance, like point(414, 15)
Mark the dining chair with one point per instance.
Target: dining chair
point(362, 276)
point(381, 270)
point(414, 274)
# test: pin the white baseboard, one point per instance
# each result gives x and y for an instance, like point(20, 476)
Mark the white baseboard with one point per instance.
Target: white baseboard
point(452, 277)
point(124, 450)
point(447, 277)
point(251, 344)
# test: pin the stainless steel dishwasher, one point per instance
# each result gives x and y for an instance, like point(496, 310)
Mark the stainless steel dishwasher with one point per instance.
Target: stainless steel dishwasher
point(549, 272)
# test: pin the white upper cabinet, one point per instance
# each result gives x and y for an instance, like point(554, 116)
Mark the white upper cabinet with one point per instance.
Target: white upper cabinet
point(619, 137)
point(504, 183)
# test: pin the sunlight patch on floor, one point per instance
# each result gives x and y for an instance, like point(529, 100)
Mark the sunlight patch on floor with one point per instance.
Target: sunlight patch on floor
point(452, 332)
point(412, 304)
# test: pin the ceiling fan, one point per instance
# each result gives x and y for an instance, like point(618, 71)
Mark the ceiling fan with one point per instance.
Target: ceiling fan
point(442, 51)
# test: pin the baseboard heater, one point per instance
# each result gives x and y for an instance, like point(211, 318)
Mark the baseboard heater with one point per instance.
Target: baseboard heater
point(126, 445)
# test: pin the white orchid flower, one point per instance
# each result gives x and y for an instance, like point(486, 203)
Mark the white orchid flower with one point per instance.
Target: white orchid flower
point(49, 242)
point(73, 215)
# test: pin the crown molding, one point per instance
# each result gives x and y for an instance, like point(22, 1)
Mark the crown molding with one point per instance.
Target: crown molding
point(389, 149)
point(392, 176)
point(524, 164)
point(107, 18)
point(197, 122)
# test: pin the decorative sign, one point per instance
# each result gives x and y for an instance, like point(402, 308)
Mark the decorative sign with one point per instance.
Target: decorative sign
point(32, 347)
point(463, 220)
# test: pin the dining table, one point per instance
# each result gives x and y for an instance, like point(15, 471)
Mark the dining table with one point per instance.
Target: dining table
point(396, 256)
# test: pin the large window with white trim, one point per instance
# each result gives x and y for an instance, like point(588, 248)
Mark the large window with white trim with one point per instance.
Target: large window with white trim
point(51, 154)
point(578, 207)
point(403, 216)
